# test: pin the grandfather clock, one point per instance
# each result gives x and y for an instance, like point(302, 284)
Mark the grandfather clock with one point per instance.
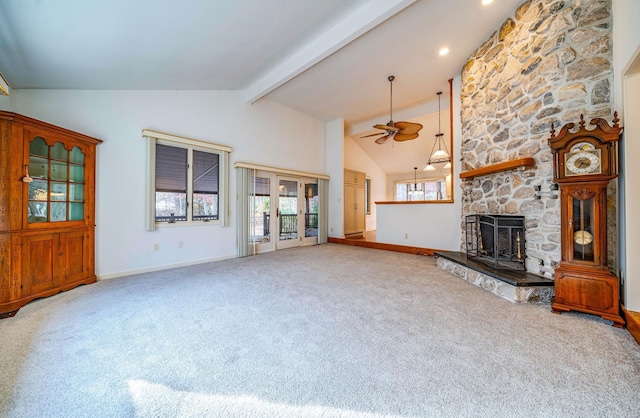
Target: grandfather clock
point(584, 163)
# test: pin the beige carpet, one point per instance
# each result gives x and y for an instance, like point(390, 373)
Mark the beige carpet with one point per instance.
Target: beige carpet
point(324, 331)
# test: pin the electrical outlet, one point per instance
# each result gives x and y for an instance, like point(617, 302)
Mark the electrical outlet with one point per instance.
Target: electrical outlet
point(406, 236)
point(156, 247)
point(180, 244)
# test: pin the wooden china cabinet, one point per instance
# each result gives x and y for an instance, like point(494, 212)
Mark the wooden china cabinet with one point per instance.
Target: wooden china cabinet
point(47, 194)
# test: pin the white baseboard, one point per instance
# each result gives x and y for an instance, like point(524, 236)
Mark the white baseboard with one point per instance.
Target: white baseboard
point(158, 268)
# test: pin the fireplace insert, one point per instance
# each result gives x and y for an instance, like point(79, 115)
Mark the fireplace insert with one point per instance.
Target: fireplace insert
point(496, 240)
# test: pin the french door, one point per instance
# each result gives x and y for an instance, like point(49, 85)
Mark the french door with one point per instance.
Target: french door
point(283, 212)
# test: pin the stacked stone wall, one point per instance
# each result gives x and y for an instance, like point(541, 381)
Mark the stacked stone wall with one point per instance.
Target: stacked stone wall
point(547, 64)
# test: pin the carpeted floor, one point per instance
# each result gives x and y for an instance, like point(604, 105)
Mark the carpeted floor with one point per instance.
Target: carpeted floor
point(324, 331)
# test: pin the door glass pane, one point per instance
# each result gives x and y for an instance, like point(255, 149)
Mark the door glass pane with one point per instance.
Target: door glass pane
point(39, 147)
point(58, 212)
point(76, 156)
point(288, 207)
point(58, 152)
point(58, 170)
point(260, 211)
point(310, 210)
point(76, 211)
point(58, 191)
point(583, 220)
point(38, 168)
point(76, 192)
point(76, 173)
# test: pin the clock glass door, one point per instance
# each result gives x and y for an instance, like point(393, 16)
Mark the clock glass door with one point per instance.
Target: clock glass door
point(583, 229)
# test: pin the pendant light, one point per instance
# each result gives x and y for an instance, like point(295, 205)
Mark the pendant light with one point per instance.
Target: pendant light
point(440, 155)
point(414, 189)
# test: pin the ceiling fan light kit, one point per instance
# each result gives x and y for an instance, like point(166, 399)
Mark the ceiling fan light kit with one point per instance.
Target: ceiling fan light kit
point(397, 131)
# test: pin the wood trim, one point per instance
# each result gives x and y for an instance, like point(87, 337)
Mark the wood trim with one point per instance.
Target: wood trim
point(496, 168)
point(412, 202)
point(15, 117)
point(633, 323)
point(451, 151)
point(183, 140)
point(382, 246)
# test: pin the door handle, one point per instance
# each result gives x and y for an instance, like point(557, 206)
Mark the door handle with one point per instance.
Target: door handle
point(277, 212)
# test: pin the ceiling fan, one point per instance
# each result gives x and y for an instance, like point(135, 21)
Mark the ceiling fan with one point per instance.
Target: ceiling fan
point(398, 131)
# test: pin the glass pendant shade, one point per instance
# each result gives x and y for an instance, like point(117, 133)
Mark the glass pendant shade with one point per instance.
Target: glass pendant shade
point(440, 154)
point(429, 167)
point(447, 165)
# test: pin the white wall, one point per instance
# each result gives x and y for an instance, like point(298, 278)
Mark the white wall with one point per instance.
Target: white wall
point(631, 270)
point(5, 102)
point(335, 168)
point(263, 133)
point(626, 42)
point(356, 159)
point(626, 46)
point(435, 225)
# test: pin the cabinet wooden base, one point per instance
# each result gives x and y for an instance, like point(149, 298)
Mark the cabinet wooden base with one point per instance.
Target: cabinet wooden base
point(8, 314)
point(588, 290)
point(7, 310)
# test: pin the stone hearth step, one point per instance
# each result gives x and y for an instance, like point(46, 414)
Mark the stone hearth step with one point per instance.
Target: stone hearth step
point(514, 286)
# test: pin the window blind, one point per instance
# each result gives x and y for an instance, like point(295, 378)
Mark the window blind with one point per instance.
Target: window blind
point(171, 169)
point(205, 172)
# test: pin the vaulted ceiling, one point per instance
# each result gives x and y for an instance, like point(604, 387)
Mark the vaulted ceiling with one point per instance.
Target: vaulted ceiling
point(325, 58)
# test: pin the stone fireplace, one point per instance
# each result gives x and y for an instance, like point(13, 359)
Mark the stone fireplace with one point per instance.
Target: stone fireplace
point(496, 240)
point(547, 64)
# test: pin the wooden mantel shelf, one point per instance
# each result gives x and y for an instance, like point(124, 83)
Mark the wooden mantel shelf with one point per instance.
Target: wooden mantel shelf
point(496, 168)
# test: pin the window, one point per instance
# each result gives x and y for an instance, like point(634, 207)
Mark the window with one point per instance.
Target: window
point(186, 180)
point(427, 190)
point(367, 194)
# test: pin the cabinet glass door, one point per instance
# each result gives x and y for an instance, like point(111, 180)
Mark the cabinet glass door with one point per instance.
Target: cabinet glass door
point(583, 229)
point(56, 192)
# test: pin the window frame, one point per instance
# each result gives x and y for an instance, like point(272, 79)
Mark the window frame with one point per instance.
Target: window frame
point(422, 182)
point(191, 145)
point(367, 196)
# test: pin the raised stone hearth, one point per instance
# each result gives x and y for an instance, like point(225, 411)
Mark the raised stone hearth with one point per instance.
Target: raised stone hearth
point(514, 286)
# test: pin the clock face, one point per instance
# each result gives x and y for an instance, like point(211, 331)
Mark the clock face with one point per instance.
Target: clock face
point(583, 158)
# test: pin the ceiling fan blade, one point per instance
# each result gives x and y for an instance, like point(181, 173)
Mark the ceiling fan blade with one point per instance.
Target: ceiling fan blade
point(408, 128)
point(386, 127)
point(386, 138)
point(405, 137)
point(379, 133)
point(382, 139)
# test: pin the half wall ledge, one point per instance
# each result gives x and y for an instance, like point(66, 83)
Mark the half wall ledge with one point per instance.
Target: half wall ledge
point(514, 286)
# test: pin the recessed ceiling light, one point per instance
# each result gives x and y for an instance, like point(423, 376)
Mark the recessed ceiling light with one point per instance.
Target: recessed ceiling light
point(485, 2)
point(444, 51)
